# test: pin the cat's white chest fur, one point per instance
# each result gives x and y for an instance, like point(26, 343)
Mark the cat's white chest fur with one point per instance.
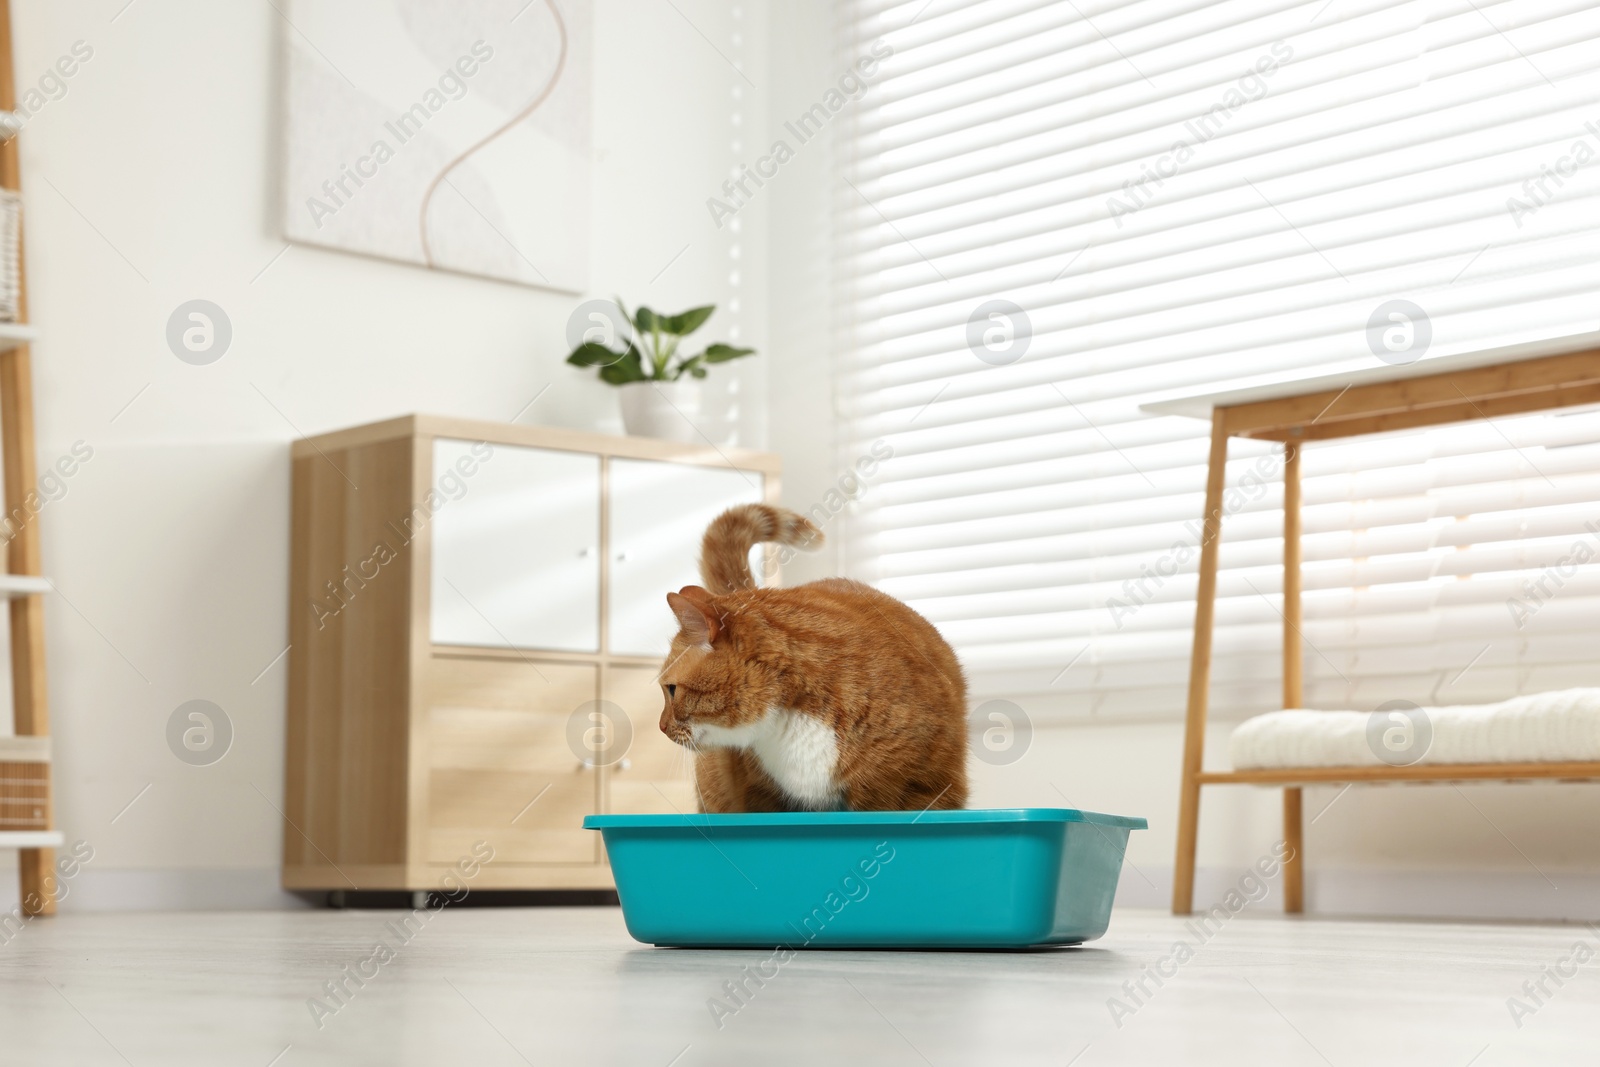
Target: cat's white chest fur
point(800, 752)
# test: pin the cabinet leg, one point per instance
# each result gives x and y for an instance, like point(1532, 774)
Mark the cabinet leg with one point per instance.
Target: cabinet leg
point(1294, 868)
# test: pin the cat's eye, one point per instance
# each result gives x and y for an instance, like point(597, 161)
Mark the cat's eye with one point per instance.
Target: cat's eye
point(672, 692)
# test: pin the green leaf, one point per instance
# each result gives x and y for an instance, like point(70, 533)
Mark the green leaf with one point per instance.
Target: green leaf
point(628, 369)
point(594, 354)
point(682, 325)
point(698, 372)
point(647, 321)
point(723, 353)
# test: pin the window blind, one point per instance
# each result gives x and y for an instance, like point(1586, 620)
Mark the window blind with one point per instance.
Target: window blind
point(1053, 212)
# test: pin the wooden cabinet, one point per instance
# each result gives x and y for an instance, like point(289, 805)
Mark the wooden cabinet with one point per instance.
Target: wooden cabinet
point(653, 778)
point(473, 608)
point(498, 759)
point(659, 512)
point(516, 548)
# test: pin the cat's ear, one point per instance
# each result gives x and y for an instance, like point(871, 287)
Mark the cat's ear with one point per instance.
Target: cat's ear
point(692, 606)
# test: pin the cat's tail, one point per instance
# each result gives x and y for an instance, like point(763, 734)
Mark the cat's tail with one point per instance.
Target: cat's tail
point(725, 552)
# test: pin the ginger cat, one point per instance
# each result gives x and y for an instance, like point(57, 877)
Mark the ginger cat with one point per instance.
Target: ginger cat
point(822, 697)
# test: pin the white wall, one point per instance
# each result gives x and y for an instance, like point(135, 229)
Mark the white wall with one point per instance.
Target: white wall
point(801, 370)
point(152, 182)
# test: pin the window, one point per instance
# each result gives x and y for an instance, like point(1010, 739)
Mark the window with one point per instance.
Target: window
point(1054, 212)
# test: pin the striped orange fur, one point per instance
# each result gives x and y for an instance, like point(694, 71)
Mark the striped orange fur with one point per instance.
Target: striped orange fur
point(826, 695)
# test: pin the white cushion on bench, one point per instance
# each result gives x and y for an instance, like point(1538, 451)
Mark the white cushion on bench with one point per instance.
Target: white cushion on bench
point(1542, 728)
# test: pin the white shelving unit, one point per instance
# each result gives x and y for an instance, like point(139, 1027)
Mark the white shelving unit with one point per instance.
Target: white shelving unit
point(26, 800)
point(18, 754)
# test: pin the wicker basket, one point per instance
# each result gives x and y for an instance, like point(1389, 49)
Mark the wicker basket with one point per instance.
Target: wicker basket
point(24, 796)
point(24, 783)
point(10, 255)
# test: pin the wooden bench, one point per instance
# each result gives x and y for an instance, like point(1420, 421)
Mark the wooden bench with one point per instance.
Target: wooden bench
point(1477, 385)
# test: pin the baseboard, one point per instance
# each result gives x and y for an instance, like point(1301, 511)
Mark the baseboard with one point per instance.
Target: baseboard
point(1464, 895)
point(253, 889)
point(1509, 896)
point(171, 889)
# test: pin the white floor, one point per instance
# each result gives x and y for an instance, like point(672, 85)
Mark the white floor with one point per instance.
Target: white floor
point(567, 986)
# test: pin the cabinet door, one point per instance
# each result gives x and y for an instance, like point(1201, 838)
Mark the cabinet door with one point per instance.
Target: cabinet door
point(501, 769)
point(656, 776)
point(516, 556)
point(659, 512)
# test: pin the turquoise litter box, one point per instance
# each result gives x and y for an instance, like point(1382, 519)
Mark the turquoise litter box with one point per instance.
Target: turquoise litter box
point(1006, 878)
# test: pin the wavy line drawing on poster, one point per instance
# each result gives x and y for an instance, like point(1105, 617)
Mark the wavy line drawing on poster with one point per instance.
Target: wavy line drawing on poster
point(544, 94)
point(450, 135)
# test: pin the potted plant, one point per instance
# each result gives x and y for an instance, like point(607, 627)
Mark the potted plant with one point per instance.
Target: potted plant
point(659, 384)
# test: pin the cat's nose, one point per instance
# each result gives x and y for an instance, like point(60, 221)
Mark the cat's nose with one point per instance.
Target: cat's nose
point(667, 720)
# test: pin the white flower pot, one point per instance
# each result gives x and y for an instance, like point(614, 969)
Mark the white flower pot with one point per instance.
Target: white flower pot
point(665, 410)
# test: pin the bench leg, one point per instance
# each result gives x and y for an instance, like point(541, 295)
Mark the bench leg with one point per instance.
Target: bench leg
point(1188, 834)
point(1194, 723)
point(1294, 868)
